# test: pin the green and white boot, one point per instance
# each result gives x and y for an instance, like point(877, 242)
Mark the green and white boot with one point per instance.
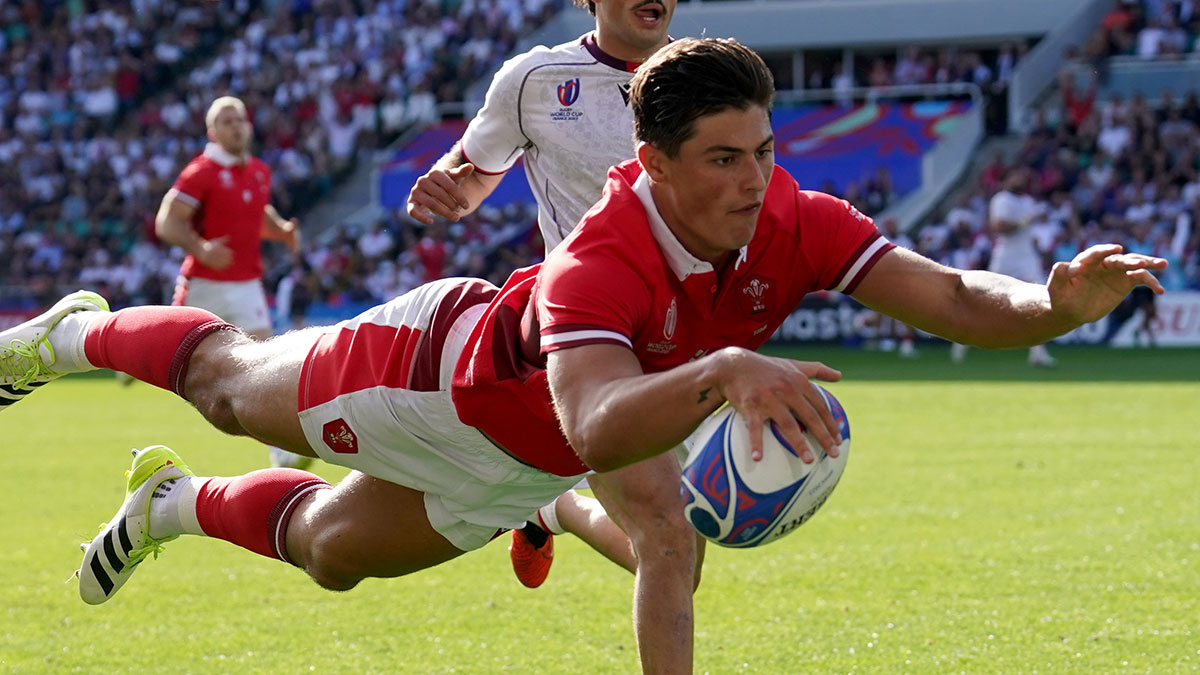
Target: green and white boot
point(124, 542)
point(27, 359)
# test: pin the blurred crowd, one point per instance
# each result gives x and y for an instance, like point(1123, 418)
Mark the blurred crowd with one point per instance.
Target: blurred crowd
point(1117, 171)
point(916, 65)
point(1124, 171)
point(395, 254)
point(102, 103)
point(1147, 29)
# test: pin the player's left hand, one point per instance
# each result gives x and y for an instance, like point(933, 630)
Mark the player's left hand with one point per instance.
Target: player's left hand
point(1097, 280)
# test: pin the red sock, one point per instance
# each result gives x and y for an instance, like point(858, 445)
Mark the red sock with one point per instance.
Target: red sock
point(151, 343)
point(253, 510)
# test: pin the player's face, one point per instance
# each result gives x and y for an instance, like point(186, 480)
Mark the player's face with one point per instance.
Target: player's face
point(231, 130)
point(633, 29)
point(711, 193)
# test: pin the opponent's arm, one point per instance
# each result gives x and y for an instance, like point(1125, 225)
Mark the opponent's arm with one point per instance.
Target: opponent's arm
point(451, 189)
point(275, 228)
point(615, 415)
point(1003, 226)
point(173, 224)
point(991, 310)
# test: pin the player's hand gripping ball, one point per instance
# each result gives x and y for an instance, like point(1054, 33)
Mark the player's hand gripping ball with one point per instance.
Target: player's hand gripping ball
point(735, 501)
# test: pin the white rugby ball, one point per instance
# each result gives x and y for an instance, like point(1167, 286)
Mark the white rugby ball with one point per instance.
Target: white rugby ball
point(735, 501)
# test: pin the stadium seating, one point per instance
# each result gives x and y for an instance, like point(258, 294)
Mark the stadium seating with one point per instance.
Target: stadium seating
point(101, 105)
point(1106, 168)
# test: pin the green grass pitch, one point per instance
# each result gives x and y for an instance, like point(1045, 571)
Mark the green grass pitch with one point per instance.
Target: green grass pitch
point(992, 519)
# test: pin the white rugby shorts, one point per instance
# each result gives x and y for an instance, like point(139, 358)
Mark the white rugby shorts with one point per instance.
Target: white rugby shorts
point(241, 303)
point(360, 408)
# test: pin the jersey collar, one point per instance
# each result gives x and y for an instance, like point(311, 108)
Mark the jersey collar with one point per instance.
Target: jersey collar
point(589, 43)
point(222, 156)
point(682, 263)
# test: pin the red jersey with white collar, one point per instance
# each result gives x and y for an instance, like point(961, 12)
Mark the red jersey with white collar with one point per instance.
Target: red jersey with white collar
point(229, 194)
point(623, 278)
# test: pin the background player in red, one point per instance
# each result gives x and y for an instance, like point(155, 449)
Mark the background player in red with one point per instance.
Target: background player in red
point(452, 394)
point(219, 212)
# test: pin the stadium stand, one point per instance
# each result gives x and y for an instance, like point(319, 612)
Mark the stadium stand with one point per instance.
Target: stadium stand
point(112, 93)
point(108, 93)
point(1105, 168)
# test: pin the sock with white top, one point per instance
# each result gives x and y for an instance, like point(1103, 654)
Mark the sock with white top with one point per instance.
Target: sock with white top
point(548, 518)
point(175, 512)
point(67, 338)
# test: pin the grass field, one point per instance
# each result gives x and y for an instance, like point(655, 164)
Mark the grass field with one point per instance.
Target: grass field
point(993, 519)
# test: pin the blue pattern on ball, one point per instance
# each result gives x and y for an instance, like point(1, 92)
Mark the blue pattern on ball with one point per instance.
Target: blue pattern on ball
point(710, 486)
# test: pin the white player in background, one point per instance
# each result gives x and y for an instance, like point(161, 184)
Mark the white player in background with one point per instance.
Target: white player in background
point(565, 110)
point(1011, 212)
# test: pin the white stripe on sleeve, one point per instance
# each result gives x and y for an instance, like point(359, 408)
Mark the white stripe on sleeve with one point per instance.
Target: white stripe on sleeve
point(184, 197)
point(555, 339)
point(858, 264)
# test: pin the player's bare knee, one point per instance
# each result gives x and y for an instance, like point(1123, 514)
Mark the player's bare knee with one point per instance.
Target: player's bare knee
point(218, 407)
point(214, 374)
point(331, 579)
point(325, 555)
point(664, 537)
point(324, 562)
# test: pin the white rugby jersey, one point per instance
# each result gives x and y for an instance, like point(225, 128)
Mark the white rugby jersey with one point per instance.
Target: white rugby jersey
point(1015, 253)
point(567, 110)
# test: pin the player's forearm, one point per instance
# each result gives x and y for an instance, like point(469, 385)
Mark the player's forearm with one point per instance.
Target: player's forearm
point(176, 231)
point(996, 311)
point(475, 187)
point(274, 226)
point(629, 419)
point(1005, 226)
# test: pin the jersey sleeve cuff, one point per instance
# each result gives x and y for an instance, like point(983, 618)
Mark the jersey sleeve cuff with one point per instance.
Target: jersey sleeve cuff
point(861, 262)
point(567, 337)
point(468, 160)
point(184, 197)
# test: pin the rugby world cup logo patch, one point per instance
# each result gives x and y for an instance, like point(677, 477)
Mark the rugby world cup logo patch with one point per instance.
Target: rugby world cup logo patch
point(568, 92)
point(670, 321)
point(568, 95)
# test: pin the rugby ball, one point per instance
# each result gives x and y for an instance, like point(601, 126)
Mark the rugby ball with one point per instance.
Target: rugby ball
point(735, 501)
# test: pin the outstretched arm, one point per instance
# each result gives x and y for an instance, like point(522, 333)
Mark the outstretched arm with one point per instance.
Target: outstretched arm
point(992, 310)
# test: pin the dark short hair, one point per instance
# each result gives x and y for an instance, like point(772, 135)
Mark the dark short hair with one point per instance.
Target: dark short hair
point(692, 78)
point(585, 4)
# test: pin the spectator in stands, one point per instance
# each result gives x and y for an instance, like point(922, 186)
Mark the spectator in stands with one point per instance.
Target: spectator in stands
point(842, 83)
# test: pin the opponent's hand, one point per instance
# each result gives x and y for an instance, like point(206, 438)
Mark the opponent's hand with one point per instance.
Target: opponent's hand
point(438, 193)
point(1097, 280)
point(215, 254)
point(765, 388)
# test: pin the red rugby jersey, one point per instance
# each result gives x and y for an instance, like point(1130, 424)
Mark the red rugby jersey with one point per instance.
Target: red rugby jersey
point(623, 278)
point(229, 195)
